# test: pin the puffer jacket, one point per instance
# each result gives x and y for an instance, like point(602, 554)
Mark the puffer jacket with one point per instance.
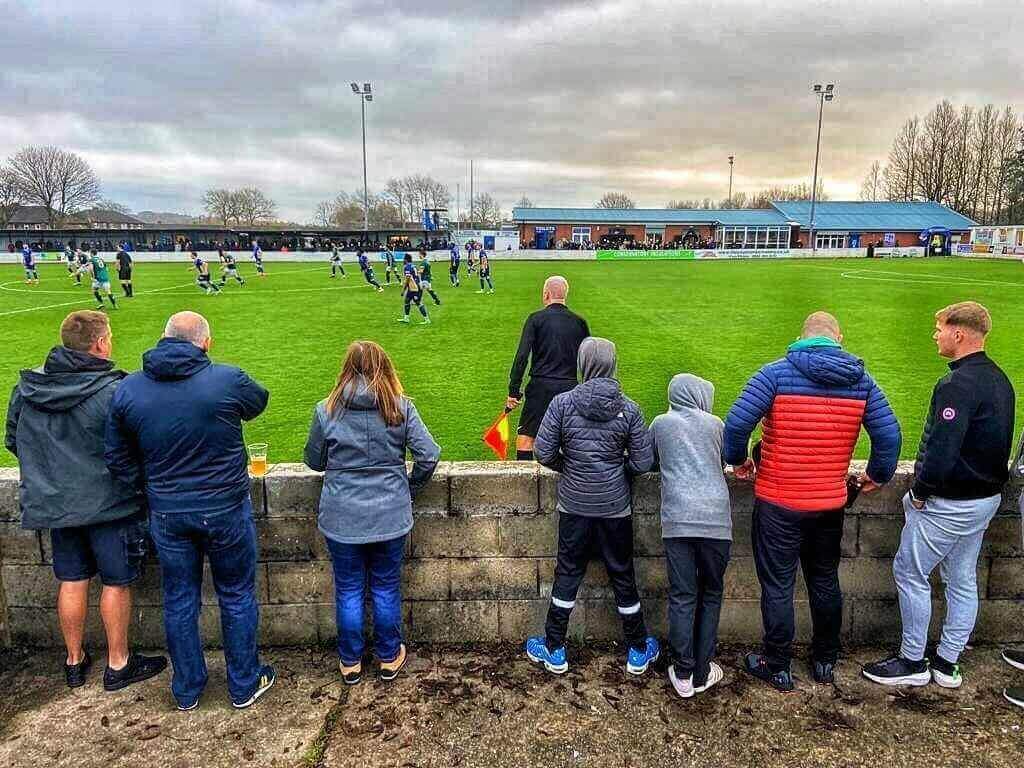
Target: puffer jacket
point(813, 403)
point(596, 437)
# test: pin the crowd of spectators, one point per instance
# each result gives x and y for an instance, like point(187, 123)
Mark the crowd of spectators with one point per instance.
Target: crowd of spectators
point(267, 243)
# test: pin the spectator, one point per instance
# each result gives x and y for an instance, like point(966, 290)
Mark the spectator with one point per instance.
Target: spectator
point(550, 341)
point(1015, 657)
point(696, 526)
point(959, 475)
point(813, 403)
point(595, 437)
point(97, 522)
point(366, 503)
point(177, 423)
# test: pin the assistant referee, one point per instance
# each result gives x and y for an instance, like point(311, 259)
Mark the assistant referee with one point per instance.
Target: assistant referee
point(550, 341)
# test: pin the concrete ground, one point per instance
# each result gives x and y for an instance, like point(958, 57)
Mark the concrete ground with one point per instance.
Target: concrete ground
point(490, 707)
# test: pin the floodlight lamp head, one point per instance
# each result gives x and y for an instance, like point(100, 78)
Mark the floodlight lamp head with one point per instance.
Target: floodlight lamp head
point(355, 87)
point(817, 87)
point(369, 97)
point(830, 87)
point(829, 96)
point(366, 87)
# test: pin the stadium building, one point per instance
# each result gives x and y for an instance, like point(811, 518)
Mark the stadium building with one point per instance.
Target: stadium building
point(784, 225)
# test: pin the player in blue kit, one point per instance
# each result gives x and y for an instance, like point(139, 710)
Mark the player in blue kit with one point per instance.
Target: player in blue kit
point(485, 273)
point(454, 257)
point(83, 266)
point(367, 270)
point(28, 259)
point(412, 290)
point(257, 257)
point(202, 270)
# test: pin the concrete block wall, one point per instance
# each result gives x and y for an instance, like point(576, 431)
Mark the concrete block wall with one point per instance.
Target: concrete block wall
point(481, 562)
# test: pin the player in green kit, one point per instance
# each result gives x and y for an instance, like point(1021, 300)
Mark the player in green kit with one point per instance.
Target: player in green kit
point(425, 283)
point(100, 280)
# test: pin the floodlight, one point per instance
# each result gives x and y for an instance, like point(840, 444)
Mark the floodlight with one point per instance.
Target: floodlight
point(369, 97)
point(355, 87)
point(830, 87)
point(817, 88)
point(829, 96)
point(366, 87)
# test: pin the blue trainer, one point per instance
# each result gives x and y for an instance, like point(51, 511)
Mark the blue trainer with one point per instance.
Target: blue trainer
point(553, 661)
point(638, 661)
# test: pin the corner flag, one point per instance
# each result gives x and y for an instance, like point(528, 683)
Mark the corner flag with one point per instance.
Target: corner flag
point(497, 435)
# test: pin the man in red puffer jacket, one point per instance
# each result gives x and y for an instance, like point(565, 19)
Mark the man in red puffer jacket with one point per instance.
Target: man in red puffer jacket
point(811, 404)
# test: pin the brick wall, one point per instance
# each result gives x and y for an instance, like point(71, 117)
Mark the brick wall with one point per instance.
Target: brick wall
point(480, 566)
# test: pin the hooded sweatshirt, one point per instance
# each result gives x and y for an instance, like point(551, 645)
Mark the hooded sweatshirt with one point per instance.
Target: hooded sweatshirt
point(367, 494)
point(688, 447)
point(178, 424)
point(55, 424)
point(596, 437)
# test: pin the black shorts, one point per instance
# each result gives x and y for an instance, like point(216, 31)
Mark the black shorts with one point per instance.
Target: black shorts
point(114, 550)
point(539, 394)
point(124, 274)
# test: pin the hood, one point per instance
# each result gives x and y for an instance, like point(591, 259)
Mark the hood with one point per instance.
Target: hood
point(65, 380)
point(173, 359)
point(596, 359)
point(358, 396)
point(598, 399)
point(689, 391)
point(827, 365)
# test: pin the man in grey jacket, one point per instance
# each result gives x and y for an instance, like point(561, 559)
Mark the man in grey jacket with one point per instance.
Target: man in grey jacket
point(596, 438)
point(55, 424)
point(696, 525)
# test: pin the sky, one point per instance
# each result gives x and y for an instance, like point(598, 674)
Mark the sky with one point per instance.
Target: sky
point(560, 101)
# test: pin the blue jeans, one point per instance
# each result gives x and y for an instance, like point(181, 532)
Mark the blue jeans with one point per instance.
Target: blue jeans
point(382, 562)
point(228, 540)
point(946, 534)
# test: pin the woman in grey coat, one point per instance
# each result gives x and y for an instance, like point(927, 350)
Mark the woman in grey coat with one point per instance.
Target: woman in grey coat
point(359, 438)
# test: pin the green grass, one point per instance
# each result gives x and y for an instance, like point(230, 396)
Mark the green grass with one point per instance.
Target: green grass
point(721, 320)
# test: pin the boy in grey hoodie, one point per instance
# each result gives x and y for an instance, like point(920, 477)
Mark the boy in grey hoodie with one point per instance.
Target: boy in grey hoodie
point(696, 526)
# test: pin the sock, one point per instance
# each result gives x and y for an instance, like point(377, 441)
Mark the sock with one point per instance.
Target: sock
point(113, 301)
point(524, 455)
point(99, 297)
point(423, 310)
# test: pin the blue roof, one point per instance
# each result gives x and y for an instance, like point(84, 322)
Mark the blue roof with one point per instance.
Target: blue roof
point(879, 217)
point(735, 216)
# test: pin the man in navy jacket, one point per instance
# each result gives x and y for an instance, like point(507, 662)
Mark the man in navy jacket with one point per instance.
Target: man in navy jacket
point(177, 424)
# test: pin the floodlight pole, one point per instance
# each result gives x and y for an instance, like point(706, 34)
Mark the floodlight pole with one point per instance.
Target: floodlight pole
point(731, 159)
point(366, 196)
point(826, 93)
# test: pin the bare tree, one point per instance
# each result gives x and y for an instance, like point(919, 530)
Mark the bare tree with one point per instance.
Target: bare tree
point(253, 206)
point(901, 170)
point(936, 154)
point(10, 195)
point(221, 205)
point(615, 200)
point(872, 188)
point(60, 181)
point(766, 197)
point(486, 211)
point(323, 214)
point(1005, 155)
point(524, 202)
point(110, 205)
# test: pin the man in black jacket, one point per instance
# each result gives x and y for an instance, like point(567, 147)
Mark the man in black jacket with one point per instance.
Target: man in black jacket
point(550, 341)
point(960, 472)
point(55, 425)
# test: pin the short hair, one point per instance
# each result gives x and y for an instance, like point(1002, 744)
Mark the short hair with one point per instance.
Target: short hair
point(187, 326)
point(557, 287)
point(81, 330)
point(821, 324)
point(966, 314)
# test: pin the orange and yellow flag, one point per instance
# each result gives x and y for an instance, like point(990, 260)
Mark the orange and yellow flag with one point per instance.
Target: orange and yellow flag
point(497, 436)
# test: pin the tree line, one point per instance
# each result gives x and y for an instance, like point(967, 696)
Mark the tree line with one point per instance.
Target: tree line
point(247, 206)
point(969, 159)
point(59, 181)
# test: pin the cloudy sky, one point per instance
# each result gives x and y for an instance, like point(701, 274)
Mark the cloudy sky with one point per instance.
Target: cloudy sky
point(557, 100)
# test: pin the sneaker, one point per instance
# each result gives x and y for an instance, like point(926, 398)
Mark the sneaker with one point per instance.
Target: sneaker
point(1014, 696)
point(403, 319)
point(824, 672)
point(137, 669)
point(186, 707)
point(945, 673)
point(553, 661)
point(1014, 658)
point(426, 321)
point(480, 291)
point(380, 290)
point(637, 661)
point(75, 674)
point(266, 681)
point(491, 291)
point(898, 671)
point(389, 669)
point(681, 685)
point(715, 676)
point(780, 679)
point(351, 675)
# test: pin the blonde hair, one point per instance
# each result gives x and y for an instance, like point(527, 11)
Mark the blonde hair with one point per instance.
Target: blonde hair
point(821, 324)
point(966, 314)
point(368, 360)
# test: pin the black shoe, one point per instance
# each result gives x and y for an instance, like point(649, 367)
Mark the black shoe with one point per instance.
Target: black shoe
point(898, 671)
point(824, 672)
point(75, 674)
point(945, 673)
point(780, 679)
point(265, 682)
point(137, 669)
point(1014, 696)
point(1014, 658)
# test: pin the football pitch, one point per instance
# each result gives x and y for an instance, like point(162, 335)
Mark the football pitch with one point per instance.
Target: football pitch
point(720, 320)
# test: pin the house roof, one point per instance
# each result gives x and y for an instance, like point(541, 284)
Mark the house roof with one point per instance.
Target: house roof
point(885, 216)
point(29, 214)
point(103, 216)
point(736, 216)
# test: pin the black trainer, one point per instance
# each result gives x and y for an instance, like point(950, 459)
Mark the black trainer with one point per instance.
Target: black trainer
point(137, 669)
point(824, 672)
point(75, 674)
point(1014, 658)
point(945, 673)
point(1015, 696)
point(779, 679)
point(897, 670)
